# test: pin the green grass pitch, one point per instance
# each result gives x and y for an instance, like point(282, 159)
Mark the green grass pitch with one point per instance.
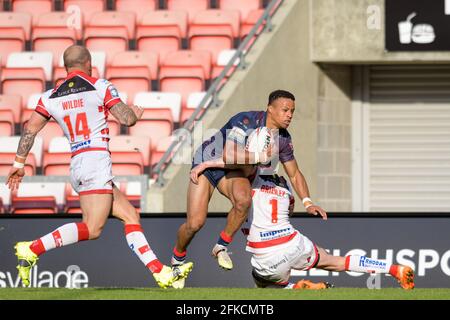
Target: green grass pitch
point(221, 294)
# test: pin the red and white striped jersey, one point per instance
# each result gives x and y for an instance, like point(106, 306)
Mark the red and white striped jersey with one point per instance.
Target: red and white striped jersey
point(80, 105)
point(269, 214)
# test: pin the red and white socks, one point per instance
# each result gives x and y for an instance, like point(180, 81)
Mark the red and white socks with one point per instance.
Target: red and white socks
point(138, 243)
point(66, 234)
point(367, 265)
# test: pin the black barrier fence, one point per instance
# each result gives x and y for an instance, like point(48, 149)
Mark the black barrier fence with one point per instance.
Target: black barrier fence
point(421, 241)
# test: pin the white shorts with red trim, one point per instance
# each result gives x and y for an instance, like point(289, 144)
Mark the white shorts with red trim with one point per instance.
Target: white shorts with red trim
point(91, 173)
point(299, 253)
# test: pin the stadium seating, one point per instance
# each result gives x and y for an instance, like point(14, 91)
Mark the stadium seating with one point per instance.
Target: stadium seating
point(15, 29)
point(110, 31)
point(160, 100)
point(130, 154)
point(138, 7)
point(222, 60)
point(53, 34)
point(132, 71)
point(26, 73)
point(56, 161)
point(87, 7)
point(9, 145)
point(184, 72)
point(192, 7)
point(6, 123)
point(193, 102)
point(7, 159)
point(37, 197)
point(161, 32)
point(34, 7)
point(250, 22)
point(214, 30)
point(12, 103)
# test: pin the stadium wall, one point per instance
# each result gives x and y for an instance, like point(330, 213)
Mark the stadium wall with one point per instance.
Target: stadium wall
point(353, 31)
point(108, 262)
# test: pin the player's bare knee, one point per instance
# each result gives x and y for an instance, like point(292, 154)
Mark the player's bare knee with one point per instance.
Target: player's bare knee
point(242, 202)
point(193, 226)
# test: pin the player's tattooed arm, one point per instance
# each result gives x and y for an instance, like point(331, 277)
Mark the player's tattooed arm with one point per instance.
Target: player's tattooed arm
point(127, 115)
point(32, 128)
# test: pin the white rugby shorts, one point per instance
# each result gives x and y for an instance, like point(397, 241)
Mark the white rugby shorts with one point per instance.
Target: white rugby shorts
point(299, 254)
point(91, 173)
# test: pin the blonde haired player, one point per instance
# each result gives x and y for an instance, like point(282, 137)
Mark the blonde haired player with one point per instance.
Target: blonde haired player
point(81, 105)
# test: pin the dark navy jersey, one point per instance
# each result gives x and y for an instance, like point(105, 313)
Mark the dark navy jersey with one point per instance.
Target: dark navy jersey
point(238, 129)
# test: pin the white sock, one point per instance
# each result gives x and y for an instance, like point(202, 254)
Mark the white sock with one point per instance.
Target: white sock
point(366, 265)
point(138, 243)
point(66, 234)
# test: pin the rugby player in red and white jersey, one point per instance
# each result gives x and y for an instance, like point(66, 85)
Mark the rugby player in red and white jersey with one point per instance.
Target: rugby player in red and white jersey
point(80, 105)
point(277, 247)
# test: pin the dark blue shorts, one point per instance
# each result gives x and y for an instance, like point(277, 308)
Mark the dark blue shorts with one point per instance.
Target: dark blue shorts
point(214, 175)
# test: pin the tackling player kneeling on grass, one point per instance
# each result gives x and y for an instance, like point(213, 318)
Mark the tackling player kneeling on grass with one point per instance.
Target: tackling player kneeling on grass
point(80, 106)
point(277, 247)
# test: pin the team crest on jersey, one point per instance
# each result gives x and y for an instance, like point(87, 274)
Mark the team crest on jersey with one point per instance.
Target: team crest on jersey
point(71, 84)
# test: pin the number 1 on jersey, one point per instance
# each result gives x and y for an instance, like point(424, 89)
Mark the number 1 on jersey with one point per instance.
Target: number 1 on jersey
point(274, 203)
point(81, 126)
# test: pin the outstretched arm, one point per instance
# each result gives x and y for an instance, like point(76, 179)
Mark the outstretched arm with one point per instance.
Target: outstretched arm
point(301, 188)
point(32, 128)
point(127, 115)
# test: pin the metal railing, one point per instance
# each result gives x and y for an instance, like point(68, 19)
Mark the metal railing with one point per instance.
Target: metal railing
point(211, 96)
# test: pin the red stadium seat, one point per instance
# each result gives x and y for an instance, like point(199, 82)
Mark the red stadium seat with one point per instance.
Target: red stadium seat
point(244, 7)
point(87, 7)
point(15, 29)
point(250, 21)
point(131, 71)
point(37, 197)
point(132, 144)
point(57, 160)
point(137, 59)
point(127, 163)
point(154, 125)
point(192, 7)
point(9, 145)
point(26, 73)
point(6, 123)
point(193, 102)
point(138, 7)
point(53, 34)
point(182, 85)
point(7, 158)
point(12, 103)
point(185, 63)
point(161, 101)
point(33, 7)
point(214, 30)
point(222, 60)
point(110, 32)
point(161, 31)
point(23, 81)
